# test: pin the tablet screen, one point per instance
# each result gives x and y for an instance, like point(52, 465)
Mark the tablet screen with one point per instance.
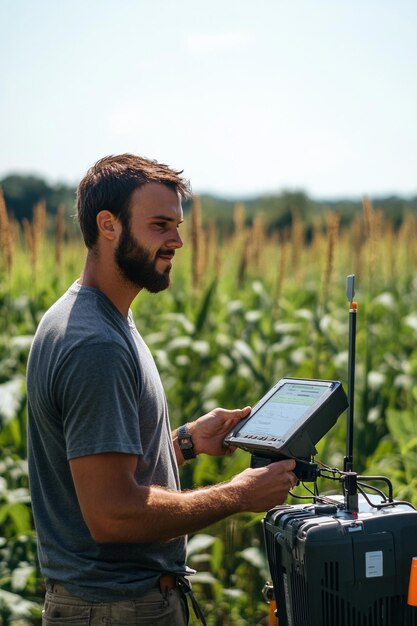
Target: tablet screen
point(282, 410)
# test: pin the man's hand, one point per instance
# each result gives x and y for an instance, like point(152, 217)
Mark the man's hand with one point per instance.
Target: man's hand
point(209, 431)
point(262, 488)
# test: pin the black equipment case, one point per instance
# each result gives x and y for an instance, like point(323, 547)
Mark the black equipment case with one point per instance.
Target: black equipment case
point(332, 568)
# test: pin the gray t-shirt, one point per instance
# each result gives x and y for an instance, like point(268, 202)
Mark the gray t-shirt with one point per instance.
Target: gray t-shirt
point(93, 387)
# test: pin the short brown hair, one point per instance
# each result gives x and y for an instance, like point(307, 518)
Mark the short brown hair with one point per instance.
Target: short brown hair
point(109, 184)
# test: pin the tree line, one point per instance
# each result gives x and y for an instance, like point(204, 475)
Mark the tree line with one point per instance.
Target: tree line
point(23, 192)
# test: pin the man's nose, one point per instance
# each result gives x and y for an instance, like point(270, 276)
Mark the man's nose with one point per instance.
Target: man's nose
point(175, 241)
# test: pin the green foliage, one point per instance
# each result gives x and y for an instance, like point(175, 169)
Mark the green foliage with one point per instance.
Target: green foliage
point(224, 346)
point(20, 579)
point(230, 579)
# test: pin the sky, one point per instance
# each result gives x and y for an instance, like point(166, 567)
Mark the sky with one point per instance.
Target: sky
point(247, 97)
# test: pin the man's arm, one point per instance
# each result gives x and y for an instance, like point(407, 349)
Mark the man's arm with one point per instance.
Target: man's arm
point(118, 510)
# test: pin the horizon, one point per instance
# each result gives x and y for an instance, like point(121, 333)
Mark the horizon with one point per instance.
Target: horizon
point(247, 198)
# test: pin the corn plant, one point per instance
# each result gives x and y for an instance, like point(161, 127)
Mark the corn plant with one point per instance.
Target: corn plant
point(246, 307)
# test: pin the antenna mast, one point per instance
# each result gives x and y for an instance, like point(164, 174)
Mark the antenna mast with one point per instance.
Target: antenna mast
point(350, 478)
point(350, 293)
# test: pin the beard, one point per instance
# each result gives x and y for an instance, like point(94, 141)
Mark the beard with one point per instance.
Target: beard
point(137, 265)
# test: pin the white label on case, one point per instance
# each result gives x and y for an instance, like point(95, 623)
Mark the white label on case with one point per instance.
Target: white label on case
point(374, 564)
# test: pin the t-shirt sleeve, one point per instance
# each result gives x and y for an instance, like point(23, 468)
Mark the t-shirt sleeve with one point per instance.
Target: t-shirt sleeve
point(98, 390)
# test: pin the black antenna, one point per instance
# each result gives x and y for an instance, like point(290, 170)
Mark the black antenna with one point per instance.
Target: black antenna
point(350, 293)
point(349, 478)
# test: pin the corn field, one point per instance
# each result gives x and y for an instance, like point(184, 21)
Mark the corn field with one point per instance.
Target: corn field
point(245, 309)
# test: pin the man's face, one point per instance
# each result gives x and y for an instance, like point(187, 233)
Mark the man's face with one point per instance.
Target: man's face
point(137, 264)
point(147, 246)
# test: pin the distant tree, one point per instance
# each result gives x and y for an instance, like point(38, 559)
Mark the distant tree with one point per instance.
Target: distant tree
point(64, 195)
point(279, 208)
point(22, 192)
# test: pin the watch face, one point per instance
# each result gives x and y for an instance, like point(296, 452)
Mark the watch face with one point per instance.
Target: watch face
point(184, 438)
point(186, 443)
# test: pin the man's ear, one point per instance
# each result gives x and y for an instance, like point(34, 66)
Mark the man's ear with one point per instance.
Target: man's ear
point(107, 225)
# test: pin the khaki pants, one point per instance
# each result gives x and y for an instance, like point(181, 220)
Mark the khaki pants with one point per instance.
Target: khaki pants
point(154, 608)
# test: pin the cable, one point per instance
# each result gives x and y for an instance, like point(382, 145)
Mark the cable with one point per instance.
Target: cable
point(335, 474)
point(381, 493)
point(385, 504)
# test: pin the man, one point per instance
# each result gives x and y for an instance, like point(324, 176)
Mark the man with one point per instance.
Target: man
point(103, 464)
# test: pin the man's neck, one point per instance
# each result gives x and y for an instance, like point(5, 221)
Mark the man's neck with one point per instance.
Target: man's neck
point(105, 277)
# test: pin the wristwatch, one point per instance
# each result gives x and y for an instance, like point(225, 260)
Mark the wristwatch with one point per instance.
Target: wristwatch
point(186, 443)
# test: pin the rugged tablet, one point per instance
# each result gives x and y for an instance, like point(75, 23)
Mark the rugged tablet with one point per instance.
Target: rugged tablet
point(290, 419)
